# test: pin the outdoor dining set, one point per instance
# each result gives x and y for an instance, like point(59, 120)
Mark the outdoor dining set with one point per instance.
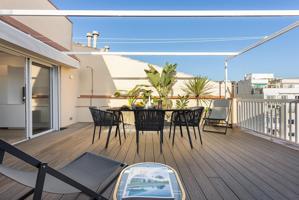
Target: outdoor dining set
point(152, 119)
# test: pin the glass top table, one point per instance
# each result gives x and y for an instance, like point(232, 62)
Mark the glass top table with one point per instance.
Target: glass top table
point(143, 181)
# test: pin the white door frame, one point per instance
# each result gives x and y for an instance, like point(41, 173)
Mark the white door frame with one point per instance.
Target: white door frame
point(54, 98)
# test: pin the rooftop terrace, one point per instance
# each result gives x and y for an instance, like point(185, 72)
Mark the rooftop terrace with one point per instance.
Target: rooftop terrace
point(233, 166)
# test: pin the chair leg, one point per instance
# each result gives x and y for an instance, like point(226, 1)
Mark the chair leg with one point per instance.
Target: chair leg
point(94, 132)
point(108, 137)
point(161, 140)
point(189, 136)
point(188, 132)
point(122, 119)
point(194, 132)
point(173, 135)
point(115, 134)
point(100, 132)
point(137, 141)
point(181, 131)
point(118, 130)
point(199, 133)
point(124, 130)
point(170, 130)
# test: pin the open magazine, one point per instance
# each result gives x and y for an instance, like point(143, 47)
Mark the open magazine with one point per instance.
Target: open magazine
point(148, 183)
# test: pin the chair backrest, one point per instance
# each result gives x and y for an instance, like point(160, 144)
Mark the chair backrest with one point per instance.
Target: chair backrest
point(149, 120)
point(193, 116)
point(196, 114)
point(102, 117)
point(220, 109)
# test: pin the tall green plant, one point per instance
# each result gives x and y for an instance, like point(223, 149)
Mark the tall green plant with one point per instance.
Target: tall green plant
point(197, 87)
point(137, 91)
point(182, 102)
point(162, 82)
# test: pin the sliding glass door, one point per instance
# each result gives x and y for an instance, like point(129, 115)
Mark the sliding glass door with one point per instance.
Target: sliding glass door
point(41, 99)
point(12, 98)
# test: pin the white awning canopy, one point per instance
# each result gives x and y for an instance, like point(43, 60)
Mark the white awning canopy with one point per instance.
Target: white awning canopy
point(154, 53)
point(151, 13)
point(34, 47)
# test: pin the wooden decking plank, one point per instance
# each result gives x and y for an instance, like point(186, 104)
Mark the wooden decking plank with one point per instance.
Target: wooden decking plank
point(140, 157)
point(226, 174)
point(149, 152)
point(251, 151)
point(287, 154)
point(191, 185)
point(223, 189)
point(256, 185)
point(277, 181)
point(289, 164)
point(169, 160)
point(203, 182)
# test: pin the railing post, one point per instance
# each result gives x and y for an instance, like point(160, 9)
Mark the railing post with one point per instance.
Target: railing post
point(261, 118)
point(296, 122)
point(271, 119)
point(275, 120)
point(290, 122)
point(255, 107)
point(283, 121)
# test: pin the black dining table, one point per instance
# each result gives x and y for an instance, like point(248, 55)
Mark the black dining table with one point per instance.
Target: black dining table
point(182, 111)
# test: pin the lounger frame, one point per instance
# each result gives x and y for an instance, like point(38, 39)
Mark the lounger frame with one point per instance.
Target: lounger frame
point(217, 122)
point(44, 169)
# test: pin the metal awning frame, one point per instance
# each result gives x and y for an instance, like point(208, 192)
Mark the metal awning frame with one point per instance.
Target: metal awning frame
point(170, 13)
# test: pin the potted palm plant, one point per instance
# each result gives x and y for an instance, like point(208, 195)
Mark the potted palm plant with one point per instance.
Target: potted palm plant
point(162, 82)
point(198, 86)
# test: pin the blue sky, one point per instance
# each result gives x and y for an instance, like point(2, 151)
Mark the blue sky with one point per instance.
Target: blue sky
point(279, 56)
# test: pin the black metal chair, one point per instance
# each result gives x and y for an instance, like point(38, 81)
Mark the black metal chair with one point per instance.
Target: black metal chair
point(106, 118)
point(187, 118)
point(149, 120)
point(89, 174)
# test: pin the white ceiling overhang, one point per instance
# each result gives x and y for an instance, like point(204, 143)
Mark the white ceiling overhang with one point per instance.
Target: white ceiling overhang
point(32, 46)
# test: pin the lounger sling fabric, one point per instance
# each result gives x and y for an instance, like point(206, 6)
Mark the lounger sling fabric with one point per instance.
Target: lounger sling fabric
point(87, 174)
point(218, 115)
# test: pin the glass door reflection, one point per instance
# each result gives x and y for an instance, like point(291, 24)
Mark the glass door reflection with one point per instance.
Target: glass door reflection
point(41, 98)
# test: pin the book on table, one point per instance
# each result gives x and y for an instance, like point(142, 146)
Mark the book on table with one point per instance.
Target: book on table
point(148, 184)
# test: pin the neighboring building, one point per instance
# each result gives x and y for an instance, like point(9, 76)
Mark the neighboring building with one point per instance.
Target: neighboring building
point(266, 86)
point(252, 86)
point(287, 88)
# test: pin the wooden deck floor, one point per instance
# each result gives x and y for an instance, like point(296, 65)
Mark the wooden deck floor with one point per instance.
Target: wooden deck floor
point(232, 166)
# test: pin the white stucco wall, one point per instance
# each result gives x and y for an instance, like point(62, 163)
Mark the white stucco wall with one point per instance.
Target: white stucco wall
point(69, 80)
point(112, 73)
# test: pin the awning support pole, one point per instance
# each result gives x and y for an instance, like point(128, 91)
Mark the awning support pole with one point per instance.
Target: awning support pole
point(225, 79)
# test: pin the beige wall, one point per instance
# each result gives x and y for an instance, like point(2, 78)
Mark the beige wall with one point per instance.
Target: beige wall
point(58, 29)
point(69, 92)
point(112, 73)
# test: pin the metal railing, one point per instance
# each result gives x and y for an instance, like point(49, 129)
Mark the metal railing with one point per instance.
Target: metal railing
point(271, 117)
